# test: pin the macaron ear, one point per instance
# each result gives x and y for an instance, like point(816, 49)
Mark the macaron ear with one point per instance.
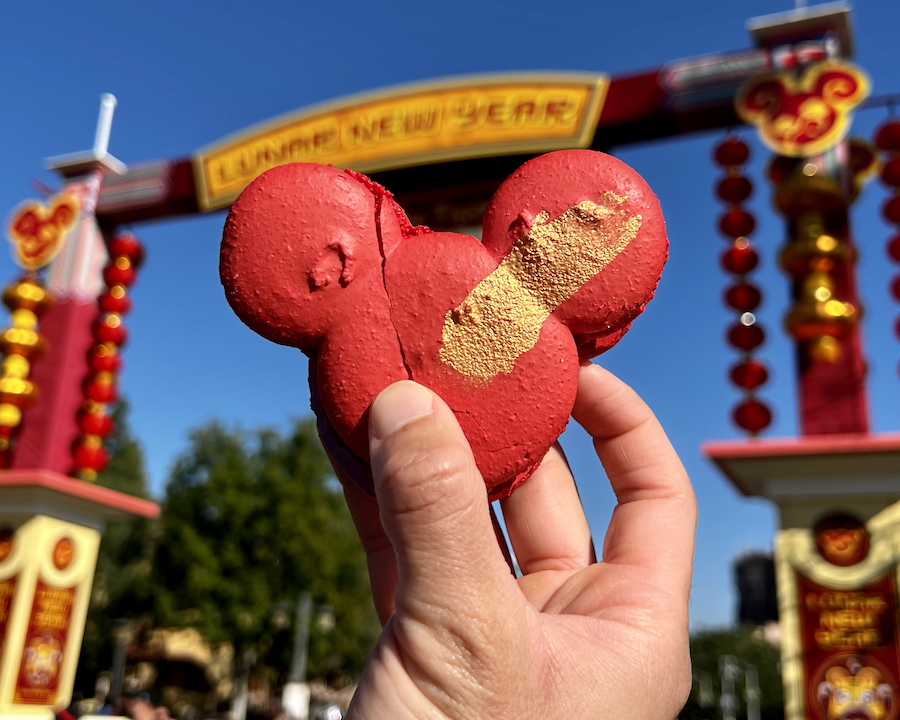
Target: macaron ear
point(295, 242)
point(589, 233)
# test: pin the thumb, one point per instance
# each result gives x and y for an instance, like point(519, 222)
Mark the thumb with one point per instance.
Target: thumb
point(434, 507)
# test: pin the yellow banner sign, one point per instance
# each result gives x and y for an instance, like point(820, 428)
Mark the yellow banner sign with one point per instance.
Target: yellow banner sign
point(415, 125)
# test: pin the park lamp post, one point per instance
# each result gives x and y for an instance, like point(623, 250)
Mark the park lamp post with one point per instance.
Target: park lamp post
point(730, 669)
point(295, 695)
point(121, 634)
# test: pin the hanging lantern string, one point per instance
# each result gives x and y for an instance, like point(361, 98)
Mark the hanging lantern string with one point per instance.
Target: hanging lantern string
point(89, 456)
point(887, 140)
point(736, 224)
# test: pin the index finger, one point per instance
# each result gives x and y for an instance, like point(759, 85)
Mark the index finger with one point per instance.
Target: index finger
point(654, 521)
point(380, 559)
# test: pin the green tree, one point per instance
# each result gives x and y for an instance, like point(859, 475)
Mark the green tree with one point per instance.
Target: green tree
point(249, 522)
point(744, 643)
point(122, 582)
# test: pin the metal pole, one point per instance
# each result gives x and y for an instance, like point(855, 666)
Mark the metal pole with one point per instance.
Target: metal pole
point(728, 672)
point(104, 124)
point(295, 695)
point(752, 694)
point(705, 697)
point(301, 639)
point(120, 635)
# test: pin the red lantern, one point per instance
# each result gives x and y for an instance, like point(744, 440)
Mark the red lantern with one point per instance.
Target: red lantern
point(895, 288)
point(127, 245)
point(109, 329)
point(101, 388)
point(740, 259)
point(887, 137)
point(746, 337)
point(891, 210)
point(890, 172)
point(734, 188)
point(752, 415)
point(104, 358)
point(91, 457)
point(736, 223)
point(893, 248)
point(119, 272)
point(743, 297)
point(731, 152)
point(115, 300)
point(97, 423)
point(749, 374)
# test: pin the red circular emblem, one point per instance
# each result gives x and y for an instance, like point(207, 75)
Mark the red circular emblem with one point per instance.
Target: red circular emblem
point(841, 539)
point(63, 553)
point(6, 544)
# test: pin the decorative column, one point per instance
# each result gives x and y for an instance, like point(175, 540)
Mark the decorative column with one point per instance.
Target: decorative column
point(836, 487)
point(50, 523)
point(803, 117)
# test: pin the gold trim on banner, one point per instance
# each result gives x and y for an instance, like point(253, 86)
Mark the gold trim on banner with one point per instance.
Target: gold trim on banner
point(455, 119)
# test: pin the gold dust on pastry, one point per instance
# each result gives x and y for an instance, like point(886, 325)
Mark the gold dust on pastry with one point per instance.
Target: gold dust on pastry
point(501, 317)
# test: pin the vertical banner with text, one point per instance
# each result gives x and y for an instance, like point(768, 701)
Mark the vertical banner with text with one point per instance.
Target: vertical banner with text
point(850, 649)
point(838, 606)
point(45, 645)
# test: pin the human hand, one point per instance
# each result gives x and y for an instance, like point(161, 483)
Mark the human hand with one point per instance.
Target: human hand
point(572, 637)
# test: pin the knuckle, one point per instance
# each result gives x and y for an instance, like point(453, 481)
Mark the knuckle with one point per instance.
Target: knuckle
point(426, 478)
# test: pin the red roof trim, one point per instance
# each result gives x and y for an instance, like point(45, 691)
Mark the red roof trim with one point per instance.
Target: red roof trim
point(812, 445)
point(79, 489)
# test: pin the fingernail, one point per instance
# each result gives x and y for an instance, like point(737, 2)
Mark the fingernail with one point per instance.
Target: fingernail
point(397, 405)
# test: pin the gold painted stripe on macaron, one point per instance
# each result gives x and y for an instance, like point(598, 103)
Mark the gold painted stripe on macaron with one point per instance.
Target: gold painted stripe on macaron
point(501, 317)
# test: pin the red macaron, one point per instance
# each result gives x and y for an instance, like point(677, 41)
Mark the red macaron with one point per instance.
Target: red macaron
point(573, 246)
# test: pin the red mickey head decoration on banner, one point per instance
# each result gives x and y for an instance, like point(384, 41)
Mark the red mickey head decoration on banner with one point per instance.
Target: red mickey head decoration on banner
point(326, 261)
point(805, 117)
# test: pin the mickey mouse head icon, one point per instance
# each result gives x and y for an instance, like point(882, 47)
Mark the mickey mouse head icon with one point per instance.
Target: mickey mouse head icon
point(37, 230)
point(326, 261)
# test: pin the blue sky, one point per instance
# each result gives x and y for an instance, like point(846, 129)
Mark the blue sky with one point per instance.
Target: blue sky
point(187, 73)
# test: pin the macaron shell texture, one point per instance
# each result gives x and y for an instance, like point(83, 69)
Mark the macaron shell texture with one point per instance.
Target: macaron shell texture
point(557, 181)
point(358, 359)
point(512, 420)
point(295, 240)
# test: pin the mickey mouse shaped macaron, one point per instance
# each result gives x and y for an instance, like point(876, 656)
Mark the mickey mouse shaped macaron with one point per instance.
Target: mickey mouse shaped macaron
point(324, 260)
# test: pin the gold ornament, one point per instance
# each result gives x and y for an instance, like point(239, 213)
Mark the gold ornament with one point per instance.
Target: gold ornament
point(825, 349)
point(27, 299)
